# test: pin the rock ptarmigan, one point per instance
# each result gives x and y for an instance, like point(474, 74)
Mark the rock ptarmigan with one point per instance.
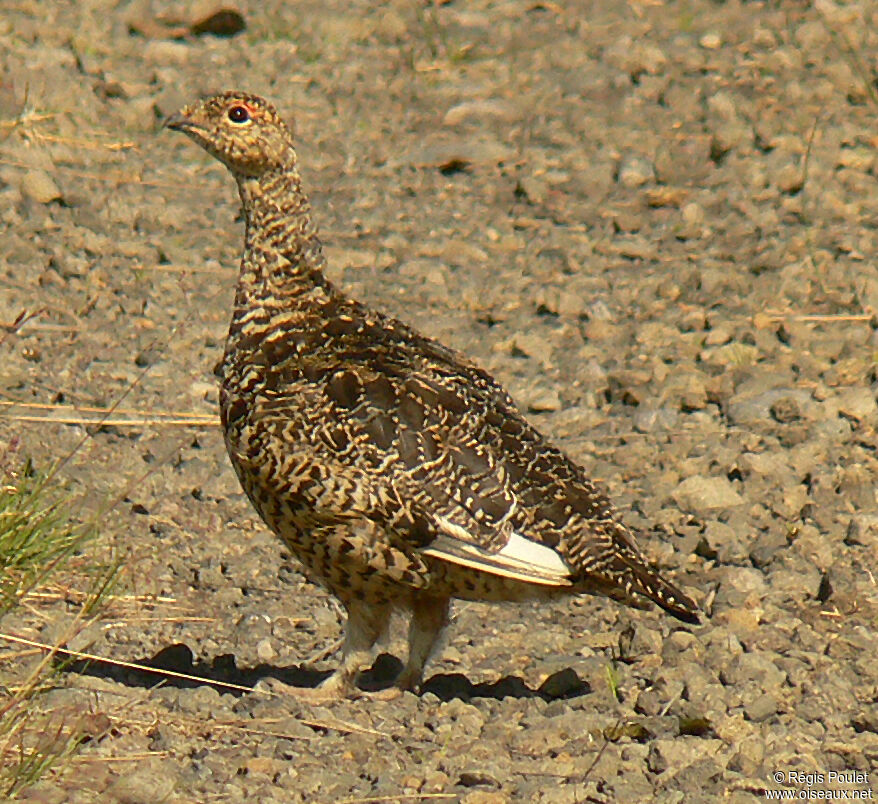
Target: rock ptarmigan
point(397, 472)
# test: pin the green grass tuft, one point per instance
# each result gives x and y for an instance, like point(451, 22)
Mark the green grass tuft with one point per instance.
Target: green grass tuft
point(40, 542)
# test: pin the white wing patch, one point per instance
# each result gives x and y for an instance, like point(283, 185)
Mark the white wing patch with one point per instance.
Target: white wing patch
point(533, 554)
point(520, 559)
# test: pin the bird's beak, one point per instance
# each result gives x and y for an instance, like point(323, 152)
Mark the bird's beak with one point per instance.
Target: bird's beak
point(178, 122)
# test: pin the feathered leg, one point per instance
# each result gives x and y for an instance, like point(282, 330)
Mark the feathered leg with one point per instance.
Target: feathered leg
point(365, 626)
point(429, 617)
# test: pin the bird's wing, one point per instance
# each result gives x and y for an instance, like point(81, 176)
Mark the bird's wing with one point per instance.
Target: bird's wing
point(465, 478)
point(503, 500)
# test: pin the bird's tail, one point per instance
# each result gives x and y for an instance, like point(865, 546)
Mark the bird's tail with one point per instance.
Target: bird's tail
point(666, 595)
point(624, 577)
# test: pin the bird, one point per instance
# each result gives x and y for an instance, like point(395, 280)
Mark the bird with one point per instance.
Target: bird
point(400, 474)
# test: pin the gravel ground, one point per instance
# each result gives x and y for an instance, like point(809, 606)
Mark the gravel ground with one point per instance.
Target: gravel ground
point(655, 222)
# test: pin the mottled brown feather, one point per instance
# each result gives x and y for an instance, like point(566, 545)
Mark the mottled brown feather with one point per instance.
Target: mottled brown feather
point(395, 469)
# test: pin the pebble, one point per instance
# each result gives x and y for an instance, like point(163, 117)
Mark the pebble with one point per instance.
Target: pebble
point(563, 684)
point(672, 755)
point(740, 586)
point(478, 110)
point(749, 408)
point(485, 797)
point(635, 171)
point(863, 530)
point(702, 493)
point(40, 186)
point(265, 650)
point(151, 783)
point(761, 708)
point(859, 404)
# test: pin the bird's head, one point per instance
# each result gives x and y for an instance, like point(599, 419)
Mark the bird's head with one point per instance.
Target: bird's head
point(243, 131)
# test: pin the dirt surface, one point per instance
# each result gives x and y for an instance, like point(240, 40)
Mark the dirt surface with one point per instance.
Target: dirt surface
point(655, 222)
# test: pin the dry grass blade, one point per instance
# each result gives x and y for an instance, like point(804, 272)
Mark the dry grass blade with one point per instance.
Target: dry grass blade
point(91, 409)
point(75, 654)
point(117, 417)
point(336, 725)
point(403, 797)
point(206, 421)
point(24, 317)
point(56, 591)
point(37, 327)
point(83, 143)
point(107, 177)
point(852, 55)
point(831, 319)
point(128, 758)
point(186, 269)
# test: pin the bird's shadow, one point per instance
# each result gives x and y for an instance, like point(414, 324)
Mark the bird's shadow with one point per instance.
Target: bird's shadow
point(174, 665)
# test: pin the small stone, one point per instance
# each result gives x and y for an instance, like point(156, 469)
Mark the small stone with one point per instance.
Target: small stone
point(219, 20)
point(44, 793)
point(768, 544)
point(743, 622)
point(762, 708)
point(152, 783)
point(635, 171)
point(650, 419)
point(160, 51)
point(531, 344)
point(534, 189)
point(812, 35)
point(478, 110)
point(636, 58)
point(750, 755)
point(641, 641)
point(265, 651)
point(40, 186)
point(477, 778)
point(692, 213)
point(459, 252)
point(790, 179)
point(701, 493)
point(723, 543)
point(264, 765)
point(664, 196)
point(391, 25)
point(858, 404)
point(564, 684)
point(485, 797)
point(734, 354)
point(757, 666)
point(740, 586)
point(687, 389)
point(435, 781)
point(766, 464)
point(635, 247)
point(711, 41)
point(540, 399)
point(785, 410)
point(453, 154)
point(746, 408)
point(680, 752)
point(863, 530)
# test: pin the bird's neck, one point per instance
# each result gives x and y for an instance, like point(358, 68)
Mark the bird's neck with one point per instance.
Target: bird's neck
point(283, 255)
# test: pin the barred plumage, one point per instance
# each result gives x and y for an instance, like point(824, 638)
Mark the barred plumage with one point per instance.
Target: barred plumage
point(397, 472)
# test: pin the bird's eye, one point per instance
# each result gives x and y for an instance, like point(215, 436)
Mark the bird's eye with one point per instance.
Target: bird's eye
point(239, 114)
